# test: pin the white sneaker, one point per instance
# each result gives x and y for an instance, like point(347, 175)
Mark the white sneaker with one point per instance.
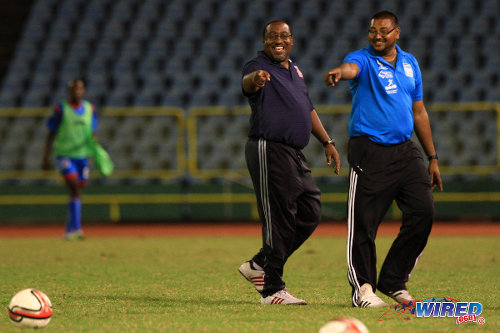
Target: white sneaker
point(255, 276)
point(400, 296)
point(368, 299)
point(282, 297)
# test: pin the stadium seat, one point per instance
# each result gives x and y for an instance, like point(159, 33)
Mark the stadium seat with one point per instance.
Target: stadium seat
point(150, 11)
point(204, 10)
point(140, 31)
point(363, 9)
point(132, 50)
point(232, 99)
point(154, 83)
point(231, 10)
point(98, 66)
point(429, 25)
point(286, 10)
point(338, 9)
point(177, 10)
point(123, 10)
point(42, 11)
point(71, 69)
point(9, 99)
point(246, 27)
point(106, 50)
point(96, 11)
point(439, 9)
point(174, 98)
point(490, 8)
point(147, 97)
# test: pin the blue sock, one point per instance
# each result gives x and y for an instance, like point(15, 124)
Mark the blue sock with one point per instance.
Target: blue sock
point(74, 219)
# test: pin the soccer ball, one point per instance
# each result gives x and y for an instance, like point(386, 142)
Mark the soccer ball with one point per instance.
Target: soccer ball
point(30, 308)
point(344, 325)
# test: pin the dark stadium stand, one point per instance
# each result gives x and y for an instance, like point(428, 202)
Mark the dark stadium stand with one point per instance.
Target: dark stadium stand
point(188, 53)
point(165, 78)
point(117, 45)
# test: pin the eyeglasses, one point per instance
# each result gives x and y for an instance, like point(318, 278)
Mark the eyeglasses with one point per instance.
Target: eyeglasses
point(382, 33)
point(283, 36)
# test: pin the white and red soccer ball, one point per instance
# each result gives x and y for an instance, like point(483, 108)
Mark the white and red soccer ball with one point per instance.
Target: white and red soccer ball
point(30, 308)
point(344, 325)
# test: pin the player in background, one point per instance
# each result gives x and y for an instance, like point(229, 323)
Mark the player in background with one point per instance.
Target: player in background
point(71, 126)
point(385, 165)
point(288, 200)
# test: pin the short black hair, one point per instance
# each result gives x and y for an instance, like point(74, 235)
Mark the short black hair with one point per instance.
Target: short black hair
point(385, 14)
point(275, 21)
point(71, 83)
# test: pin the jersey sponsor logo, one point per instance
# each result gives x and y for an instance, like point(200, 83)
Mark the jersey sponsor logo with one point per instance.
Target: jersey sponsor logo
point(391, 87)
point(381, 65)
point(298, 71)
point(385, 74)
point(408, 70)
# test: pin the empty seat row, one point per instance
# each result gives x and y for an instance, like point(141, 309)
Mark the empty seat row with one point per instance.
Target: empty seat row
point(146, 52)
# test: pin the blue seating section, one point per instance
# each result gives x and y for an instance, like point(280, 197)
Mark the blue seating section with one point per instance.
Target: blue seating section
point(187, 53)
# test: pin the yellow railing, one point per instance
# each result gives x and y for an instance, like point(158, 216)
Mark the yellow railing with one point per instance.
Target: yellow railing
point(177, 113)
point(472, 106)
point(197, 113)
point(192, 121)
point(113, 201)
point(188, 159)
point(187, 154)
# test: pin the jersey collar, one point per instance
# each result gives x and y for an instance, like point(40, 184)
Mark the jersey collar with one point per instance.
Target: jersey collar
point(262, 54)
point(372, 53)
point(73, 105)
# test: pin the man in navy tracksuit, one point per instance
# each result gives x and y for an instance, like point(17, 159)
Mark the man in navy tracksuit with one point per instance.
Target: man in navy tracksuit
point(385, 165)
point(282, 120)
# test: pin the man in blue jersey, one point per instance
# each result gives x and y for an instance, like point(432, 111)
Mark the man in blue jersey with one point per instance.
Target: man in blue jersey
point(71, 127)
point(385, 165)
point(281, 123)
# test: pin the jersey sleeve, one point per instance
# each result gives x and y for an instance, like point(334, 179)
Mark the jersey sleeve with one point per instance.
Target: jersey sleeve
point(418, 94)
point(55, 119)
point(358, 58)
point(248, 68)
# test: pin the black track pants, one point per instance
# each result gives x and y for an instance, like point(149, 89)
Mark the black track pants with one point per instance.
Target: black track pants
point(288, 201)
point(378, 176)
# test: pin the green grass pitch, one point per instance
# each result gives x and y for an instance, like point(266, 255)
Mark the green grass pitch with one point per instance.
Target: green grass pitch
point(192, 284)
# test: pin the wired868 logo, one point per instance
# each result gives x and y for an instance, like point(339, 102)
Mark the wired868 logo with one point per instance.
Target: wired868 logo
point(438, 307)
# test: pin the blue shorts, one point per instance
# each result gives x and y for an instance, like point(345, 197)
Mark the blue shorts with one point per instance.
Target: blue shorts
point(74, 168)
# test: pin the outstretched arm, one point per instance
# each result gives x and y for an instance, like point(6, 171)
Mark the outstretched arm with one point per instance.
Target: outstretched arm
point(255, 80)
point(345, 71)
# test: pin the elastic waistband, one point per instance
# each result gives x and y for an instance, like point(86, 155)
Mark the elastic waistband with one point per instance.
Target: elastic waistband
point(254, 139)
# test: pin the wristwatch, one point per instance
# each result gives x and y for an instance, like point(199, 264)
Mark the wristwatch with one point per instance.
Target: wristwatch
point(331, 141)
point(432, 157)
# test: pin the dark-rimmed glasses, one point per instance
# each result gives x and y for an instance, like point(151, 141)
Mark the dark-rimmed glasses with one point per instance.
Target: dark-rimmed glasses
point(382, 33)
point(283, 36)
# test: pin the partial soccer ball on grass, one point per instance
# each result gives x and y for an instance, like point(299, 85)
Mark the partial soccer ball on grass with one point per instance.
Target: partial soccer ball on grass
point(344, 325)
point(30, 308)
